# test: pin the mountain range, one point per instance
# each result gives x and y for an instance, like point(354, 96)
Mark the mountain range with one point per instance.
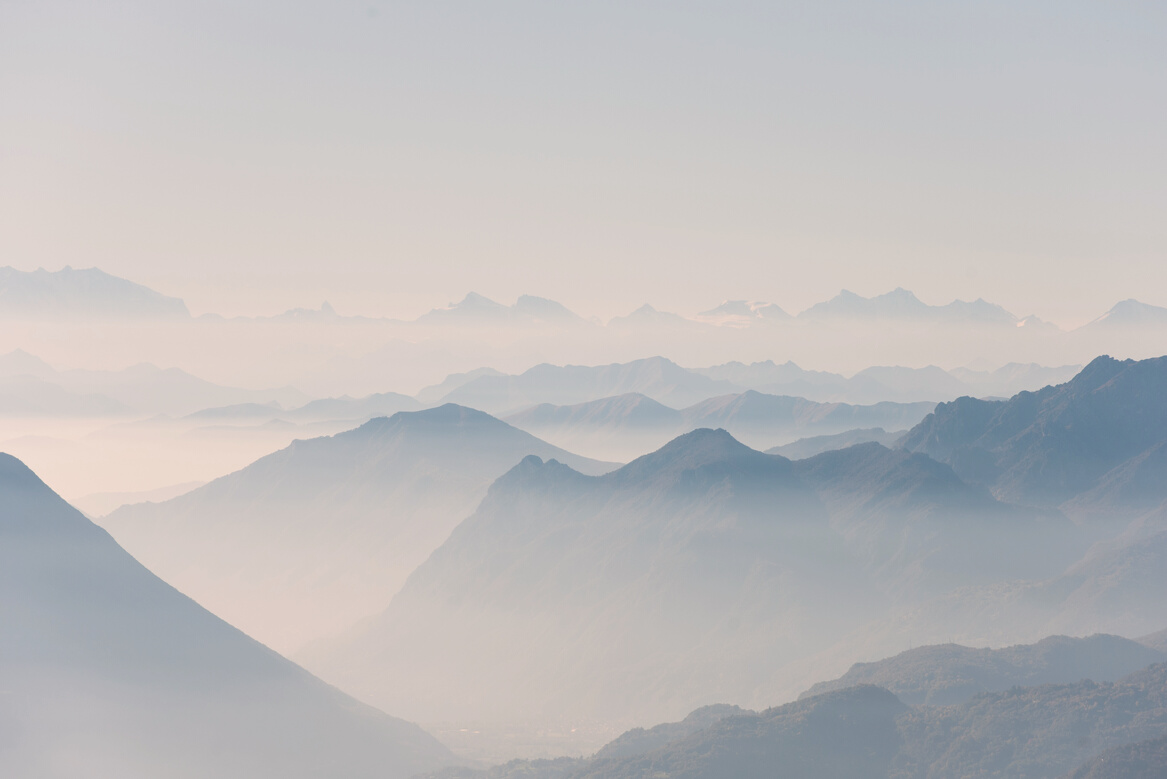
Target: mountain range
point(1097, 440)
point(91, 293)
point(701, 569)
point(108, 672)
point(83, 293)
point(310, 539)
point(625, 426)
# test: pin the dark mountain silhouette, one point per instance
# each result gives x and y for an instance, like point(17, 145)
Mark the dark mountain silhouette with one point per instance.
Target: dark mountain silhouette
point(318, 535)
point(83, 293)
point(948, 674)
point(1046, 447)
point(107, 671)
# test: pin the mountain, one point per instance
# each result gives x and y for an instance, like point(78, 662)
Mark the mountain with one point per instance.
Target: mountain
point(621, 427)
point(902, 305)
point(1157, 641)
point(743, 312)
point(1141, 760)
point(648, 318)
point(434, 393)
point(474, 309)
point(662, 380)
point(849, 734)
point(638, 741)
point(765, 420)
point(626, 426)
point(948, 674)
point(344, 407)
point(866, 732)
point(29, 385)
point(1010, 379)
point(1129, 313)
point(1042, 732)
point(1109, 590)
point(86, 293)
point(109, 672)
point(785, 379)
point(809, 447)
point(1046, 447)
point(619, 596)
point(919, 530)
point(703, 569)
point(889, 383)
point(312, 538)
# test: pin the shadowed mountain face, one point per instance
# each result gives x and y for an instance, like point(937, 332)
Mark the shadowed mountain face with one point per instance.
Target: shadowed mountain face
point(700, 570)
point(947, 674)
point(1047, 447)
point(107, 671)
point(310, 539)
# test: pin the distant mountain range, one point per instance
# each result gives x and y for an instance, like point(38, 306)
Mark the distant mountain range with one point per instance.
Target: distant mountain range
point(671, 385)
point(91, 293)
point(310, 539)
point(628, 425)
point(108, 672)
point(87, 293)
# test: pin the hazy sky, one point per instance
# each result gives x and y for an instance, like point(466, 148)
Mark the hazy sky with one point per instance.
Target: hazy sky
point(252, 156)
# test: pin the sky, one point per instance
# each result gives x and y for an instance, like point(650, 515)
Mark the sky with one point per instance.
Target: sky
point(390, 157)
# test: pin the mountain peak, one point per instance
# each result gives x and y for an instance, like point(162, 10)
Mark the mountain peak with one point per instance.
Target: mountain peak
point(693, 450)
